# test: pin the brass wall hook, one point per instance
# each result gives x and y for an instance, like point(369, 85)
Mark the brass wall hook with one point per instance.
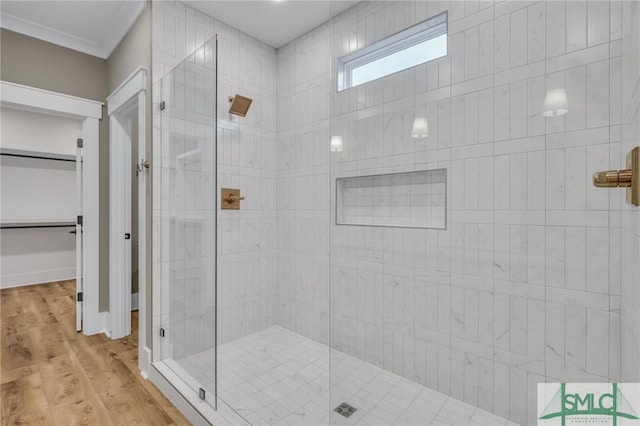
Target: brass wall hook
point(628, 178)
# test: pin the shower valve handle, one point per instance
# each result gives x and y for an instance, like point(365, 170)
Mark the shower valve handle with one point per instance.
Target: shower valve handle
point(231, 198)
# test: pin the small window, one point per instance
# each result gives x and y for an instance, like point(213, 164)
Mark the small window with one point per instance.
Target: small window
point(416, 45)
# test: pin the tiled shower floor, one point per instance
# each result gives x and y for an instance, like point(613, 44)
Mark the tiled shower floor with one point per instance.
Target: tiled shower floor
point(277, 377)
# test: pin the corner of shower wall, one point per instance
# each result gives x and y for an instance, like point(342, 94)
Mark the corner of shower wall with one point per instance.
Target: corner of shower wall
point(303, 179)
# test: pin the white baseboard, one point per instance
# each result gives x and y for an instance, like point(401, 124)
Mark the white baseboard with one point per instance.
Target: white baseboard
point(134, 301)
point(37, 277)
point(105, 317)
point(102, 325)
point(144, 361)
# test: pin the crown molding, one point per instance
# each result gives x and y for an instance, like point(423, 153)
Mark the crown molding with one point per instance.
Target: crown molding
point(122, 24)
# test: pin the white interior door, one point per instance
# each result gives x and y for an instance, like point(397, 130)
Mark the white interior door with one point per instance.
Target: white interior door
point(141, 173)
point(127, 101)
point(79, 235)
point(128, 176)
point(120, 172)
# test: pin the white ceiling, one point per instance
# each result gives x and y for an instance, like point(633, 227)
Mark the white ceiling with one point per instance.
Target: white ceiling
point(94, 27)
point(271, 21)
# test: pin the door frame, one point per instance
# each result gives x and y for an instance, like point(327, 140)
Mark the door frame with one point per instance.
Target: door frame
point(123, 104)
point(79, 233)
point(89, 112)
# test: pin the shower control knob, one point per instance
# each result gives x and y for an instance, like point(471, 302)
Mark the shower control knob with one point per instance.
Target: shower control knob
point(230, 199)
point(233, 198)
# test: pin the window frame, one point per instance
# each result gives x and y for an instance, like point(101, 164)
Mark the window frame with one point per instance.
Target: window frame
point(423, 31)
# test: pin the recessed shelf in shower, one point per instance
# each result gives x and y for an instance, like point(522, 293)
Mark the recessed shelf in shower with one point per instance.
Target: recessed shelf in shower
point(413, 199)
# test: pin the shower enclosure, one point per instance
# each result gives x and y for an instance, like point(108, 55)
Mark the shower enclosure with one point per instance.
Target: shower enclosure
point(422, 248)
point(185, 232)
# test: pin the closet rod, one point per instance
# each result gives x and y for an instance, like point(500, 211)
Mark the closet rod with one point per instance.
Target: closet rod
point(35, 226)
point(40, 157)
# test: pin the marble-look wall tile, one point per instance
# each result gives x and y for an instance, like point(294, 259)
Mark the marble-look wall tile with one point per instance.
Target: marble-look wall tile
point(518, 289)
point(530, 175)
point(576, 21)
point(246, 301)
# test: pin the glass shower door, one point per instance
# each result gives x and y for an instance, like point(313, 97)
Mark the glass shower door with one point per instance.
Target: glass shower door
point(188, 251)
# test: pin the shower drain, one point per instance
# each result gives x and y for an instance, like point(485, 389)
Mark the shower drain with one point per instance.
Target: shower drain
point(345, 409)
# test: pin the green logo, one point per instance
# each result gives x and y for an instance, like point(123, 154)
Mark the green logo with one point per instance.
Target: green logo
point(612, 404)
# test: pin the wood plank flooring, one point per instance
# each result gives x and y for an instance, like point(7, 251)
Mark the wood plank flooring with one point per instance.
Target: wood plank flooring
point(52, 375)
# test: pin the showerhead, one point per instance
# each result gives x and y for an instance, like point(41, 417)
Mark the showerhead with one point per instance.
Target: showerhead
point(239, 105)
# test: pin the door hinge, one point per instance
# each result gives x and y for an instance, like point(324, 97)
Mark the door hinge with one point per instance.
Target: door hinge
point(79, 297)
point(162, 105)
point(80, 220)
point(201, 393)
point(80, 143)
point(161, 332)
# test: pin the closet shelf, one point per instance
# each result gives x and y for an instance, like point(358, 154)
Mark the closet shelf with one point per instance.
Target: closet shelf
point(22, 151)
point(37, 223)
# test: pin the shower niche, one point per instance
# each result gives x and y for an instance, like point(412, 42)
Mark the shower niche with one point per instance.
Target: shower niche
point(412, 199)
